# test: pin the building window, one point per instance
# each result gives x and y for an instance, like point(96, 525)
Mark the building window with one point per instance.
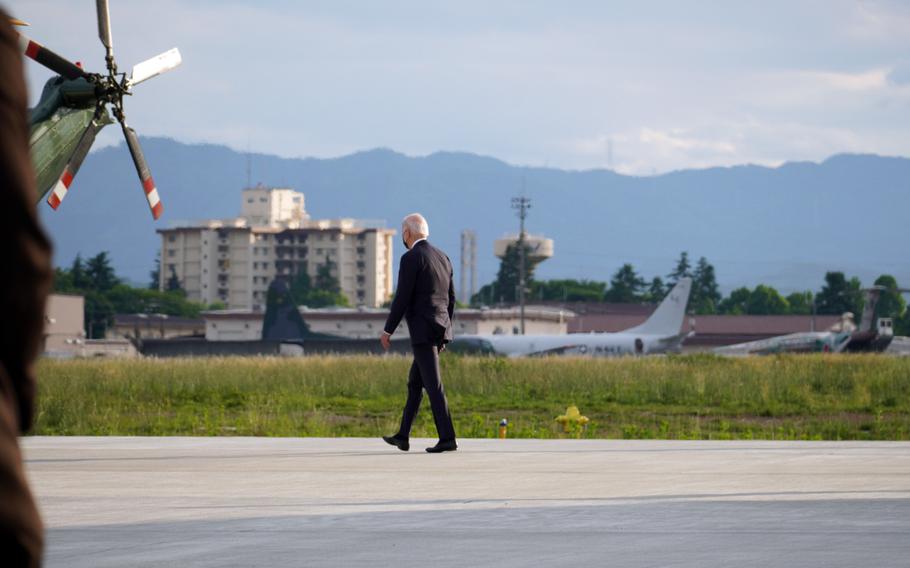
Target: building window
point(172, 238)
point(172, 253)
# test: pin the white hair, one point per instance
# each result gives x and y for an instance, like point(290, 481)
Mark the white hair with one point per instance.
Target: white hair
point(416, 223)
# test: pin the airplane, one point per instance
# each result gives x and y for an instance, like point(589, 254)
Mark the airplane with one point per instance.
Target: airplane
point(660, 333)
point(73, 108)
point(802, 342)
point(844, 337)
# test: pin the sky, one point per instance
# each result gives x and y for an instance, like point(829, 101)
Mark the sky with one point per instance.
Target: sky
point(641, 87)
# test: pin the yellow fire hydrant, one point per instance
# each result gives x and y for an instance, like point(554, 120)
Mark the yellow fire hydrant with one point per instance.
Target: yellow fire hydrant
point(572, 418)
point(503, 428)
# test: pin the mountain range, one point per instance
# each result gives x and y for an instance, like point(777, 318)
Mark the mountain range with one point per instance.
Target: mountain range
point(783, 226)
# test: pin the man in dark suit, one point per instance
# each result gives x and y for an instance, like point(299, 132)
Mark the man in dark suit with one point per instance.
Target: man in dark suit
point(26, 253)
point(426, 299)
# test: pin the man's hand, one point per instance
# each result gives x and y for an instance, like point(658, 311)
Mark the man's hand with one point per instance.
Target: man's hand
point(386, 340)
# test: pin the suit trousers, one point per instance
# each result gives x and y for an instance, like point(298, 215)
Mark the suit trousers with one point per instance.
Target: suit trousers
point(424, 374)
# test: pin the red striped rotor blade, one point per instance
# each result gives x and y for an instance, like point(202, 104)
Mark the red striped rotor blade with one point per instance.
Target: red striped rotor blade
point(62, 186)
point(49, 59)
point(142, 168)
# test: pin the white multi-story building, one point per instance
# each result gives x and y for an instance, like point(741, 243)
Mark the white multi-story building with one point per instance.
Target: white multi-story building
point(234, 261)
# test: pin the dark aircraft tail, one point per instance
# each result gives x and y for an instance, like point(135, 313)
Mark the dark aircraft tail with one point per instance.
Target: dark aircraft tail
point(282, 321)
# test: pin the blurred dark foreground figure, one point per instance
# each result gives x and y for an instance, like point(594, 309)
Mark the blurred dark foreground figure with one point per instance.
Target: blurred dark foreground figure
point(23, 291)
point(426, 297)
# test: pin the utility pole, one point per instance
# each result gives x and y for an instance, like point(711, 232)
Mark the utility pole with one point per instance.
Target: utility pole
point(521, 204)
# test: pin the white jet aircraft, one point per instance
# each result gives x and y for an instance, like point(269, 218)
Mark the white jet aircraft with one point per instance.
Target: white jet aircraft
point(660, 333)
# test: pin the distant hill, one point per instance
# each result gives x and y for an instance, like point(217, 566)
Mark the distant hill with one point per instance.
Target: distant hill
point(783, 226)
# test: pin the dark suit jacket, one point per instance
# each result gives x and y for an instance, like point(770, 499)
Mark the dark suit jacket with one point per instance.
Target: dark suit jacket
point(25, 251)
point(425, 295)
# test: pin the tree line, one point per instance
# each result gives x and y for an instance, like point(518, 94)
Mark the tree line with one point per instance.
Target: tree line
point(838, 294)
point(107, 294)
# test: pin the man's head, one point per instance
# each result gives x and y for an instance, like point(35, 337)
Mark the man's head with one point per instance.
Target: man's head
point(414, 227)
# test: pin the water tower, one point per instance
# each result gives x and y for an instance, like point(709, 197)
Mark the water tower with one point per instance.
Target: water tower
point(539, 247)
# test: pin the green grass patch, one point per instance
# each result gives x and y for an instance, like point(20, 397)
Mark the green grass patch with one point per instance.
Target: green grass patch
point(800, 397)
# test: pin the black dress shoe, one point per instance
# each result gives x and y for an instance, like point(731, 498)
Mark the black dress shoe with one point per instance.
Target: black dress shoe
point(449, 446)
point(400, 443)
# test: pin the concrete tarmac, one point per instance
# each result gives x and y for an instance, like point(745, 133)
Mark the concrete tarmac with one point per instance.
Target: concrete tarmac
point(188, 502)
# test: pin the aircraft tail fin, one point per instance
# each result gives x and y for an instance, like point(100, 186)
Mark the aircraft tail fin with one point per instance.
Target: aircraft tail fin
point(668, 318)
point(282, 321)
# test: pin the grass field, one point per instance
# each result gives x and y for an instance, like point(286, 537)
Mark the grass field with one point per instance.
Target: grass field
point(681, 397)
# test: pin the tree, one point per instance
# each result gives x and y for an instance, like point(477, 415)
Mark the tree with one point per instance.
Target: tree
point(155, 274)
point(891, 304)
point(301, 285)
point(568, 290)
point(325, 280)
point(78, 276)
point(626, 286)
point(100, 273)
point(63, 280)
point(839, 295)
point(321, 292)
point(765, 300)
point(99, 314)
point(173, 283)
point(737, 303)
point(902, 325)
point(800, 303)
point(128, 300)
point(683, 270)
point(505, 287)
point(705, 293)
point(656, 290)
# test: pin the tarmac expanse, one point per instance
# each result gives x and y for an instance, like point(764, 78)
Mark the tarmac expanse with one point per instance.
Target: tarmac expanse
point(185, 502)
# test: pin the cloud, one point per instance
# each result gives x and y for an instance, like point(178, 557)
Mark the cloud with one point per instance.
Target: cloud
point(676, 140)
point(649, 151)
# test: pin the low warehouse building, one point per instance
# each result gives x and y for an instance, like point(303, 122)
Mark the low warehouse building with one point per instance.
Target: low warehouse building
point(367, 323)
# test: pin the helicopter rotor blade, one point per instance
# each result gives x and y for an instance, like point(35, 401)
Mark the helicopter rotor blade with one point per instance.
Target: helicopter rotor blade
point(104, 26)
point(49, 59)
point(155, 66)
point(72, 167)
point(142, 168)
